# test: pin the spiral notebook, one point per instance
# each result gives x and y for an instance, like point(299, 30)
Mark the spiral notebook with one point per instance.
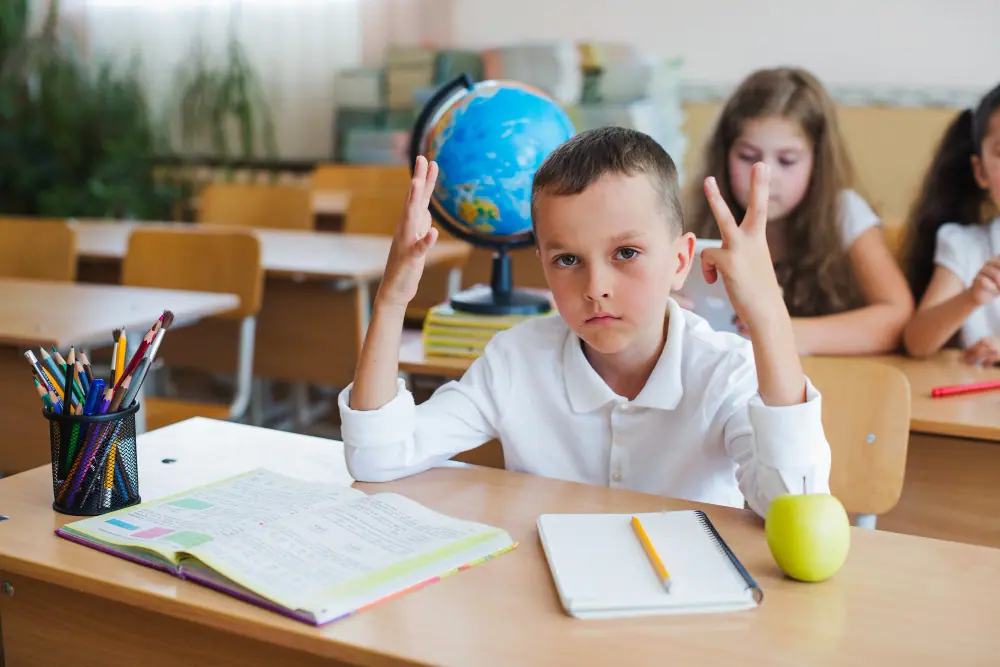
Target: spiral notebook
point(601, 570)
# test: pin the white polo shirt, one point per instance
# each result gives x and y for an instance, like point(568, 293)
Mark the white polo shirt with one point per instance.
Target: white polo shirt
point(698, 430)
point(963, 249)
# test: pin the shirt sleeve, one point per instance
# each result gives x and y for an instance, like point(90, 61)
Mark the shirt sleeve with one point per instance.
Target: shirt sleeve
point(856, 217)
point(777, 450)
point(952, 251)
point(402, 438)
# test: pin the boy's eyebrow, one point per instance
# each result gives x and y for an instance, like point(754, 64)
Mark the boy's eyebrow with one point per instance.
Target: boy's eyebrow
point(629, 236)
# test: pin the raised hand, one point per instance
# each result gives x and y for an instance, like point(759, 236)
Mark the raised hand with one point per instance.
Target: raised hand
point(744, 260)
point(986, 285)
point(413, 238)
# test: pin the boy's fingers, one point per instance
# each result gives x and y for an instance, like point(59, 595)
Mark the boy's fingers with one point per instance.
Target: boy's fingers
point(432, 174)
point(710, 261)
point(723, 216)
point(417, 181)
point(424, 244)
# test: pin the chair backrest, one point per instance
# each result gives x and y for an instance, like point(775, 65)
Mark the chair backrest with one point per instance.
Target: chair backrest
point(361, 178)
point(374, 214)
point(40, 248)
point(261, 206)
point(895, 235)
point(866, 417)
point(200, 259)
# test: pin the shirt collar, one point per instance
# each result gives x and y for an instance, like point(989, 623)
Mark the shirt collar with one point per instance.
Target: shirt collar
point(587, 391)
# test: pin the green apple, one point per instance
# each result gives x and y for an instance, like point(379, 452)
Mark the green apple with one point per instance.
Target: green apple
point(808, 534)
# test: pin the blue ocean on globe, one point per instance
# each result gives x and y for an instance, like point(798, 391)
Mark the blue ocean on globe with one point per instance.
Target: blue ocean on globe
point(488, 145)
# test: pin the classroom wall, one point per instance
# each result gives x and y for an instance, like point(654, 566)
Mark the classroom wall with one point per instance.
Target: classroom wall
point(898, 69)
point(853, 42)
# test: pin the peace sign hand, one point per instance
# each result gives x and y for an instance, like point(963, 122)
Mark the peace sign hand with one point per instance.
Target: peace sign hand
point(744, 261)
point(413, 238)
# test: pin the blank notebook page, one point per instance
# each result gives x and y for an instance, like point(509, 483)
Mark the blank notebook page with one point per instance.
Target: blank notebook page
point(601, 569)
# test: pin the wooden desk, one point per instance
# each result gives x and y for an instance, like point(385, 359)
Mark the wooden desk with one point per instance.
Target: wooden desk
point(974, 415)
point(296, 254)
point(300, 313)
point(39, 313)
point(898, 598)
point(413, 360)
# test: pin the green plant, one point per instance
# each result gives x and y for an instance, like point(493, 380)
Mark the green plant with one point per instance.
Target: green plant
point(224, 105)
point(76, 137)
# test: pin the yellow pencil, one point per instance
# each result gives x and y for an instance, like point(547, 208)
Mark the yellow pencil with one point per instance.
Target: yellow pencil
point(120, 360)
point(654, 558)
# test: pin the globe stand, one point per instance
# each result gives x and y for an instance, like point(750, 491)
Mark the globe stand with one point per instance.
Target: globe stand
point(500, 298)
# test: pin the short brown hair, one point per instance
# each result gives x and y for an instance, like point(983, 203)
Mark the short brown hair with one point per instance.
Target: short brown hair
point(582, 160)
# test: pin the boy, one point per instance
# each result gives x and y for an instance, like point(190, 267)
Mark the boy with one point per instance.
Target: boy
point(622, 387)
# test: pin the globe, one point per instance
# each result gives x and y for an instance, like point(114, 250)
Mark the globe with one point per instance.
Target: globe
point(488, 139)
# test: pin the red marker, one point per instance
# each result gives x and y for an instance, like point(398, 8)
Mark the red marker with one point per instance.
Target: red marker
point(951, 390)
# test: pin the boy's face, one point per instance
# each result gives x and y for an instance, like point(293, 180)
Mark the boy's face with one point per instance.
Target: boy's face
point(611, 259)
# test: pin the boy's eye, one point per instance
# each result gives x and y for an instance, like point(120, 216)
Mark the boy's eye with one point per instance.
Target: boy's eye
point(626, 253)
point(565, 260)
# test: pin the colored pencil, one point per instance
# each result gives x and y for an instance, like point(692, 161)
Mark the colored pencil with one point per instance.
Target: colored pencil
point(955, 389)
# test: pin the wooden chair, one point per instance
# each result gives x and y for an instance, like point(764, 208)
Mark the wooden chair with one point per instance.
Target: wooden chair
point(361, 178)
point(866, 416)
point(260, 206)
point(39, 248)
point(895, 235)
point(210, 260)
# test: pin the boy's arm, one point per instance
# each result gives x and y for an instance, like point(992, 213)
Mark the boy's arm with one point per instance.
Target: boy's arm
point(774, 430)
point(777, 450)
point(385, 435)
point(378, 364)
point(744, 262)
point(400, 438)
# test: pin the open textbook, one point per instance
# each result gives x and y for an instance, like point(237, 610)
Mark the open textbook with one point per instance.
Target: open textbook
point(313, 551)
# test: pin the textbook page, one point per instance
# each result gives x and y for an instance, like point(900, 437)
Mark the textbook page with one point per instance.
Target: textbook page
point(350, 554)
point(201, 515)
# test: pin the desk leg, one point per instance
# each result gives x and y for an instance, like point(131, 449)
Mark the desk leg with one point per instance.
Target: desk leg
point(24, 431)
point(44, 624)
point(300, 390)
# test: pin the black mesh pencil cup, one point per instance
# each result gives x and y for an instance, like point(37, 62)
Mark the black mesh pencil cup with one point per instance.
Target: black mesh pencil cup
point(94, 465)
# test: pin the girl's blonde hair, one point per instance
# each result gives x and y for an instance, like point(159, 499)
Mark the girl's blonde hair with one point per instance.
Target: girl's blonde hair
point(815, 273)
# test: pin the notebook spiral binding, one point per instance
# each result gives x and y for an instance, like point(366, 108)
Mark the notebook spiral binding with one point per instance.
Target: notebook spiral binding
point(758, 594)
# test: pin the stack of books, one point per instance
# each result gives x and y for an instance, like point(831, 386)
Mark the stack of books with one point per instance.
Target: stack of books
point(451, 333)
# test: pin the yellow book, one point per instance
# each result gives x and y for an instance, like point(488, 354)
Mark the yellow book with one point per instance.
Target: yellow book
point(316, 552)
point(445, 315)
point(452, 351)
point(464, 333)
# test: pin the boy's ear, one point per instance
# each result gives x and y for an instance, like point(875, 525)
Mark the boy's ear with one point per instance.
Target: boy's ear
point(979, 172)
point(684, 250)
